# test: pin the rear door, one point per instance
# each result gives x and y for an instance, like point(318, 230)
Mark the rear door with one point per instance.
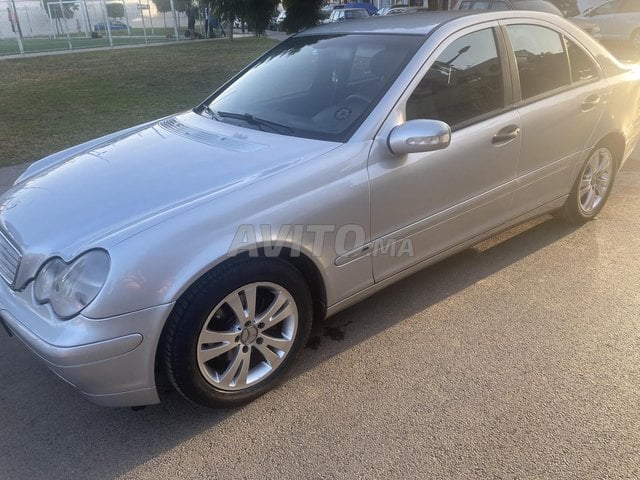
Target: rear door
point(563, 95)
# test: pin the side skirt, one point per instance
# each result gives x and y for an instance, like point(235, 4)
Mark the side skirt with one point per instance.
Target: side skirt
point(367, 292)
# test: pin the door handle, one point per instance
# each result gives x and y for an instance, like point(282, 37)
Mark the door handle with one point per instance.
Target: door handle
point(506, 134)
point(590, 102)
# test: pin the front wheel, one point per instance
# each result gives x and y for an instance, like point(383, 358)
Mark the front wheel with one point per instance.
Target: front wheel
point(592, 187)
point(234, 334)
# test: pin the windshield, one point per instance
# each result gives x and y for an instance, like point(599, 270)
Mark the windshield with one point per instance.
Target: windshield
point(319, 87)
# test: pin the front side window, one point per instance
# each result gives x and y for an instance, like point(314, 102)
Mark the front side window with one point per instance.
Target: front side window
point(463, 83)
point(315, 86)
point(541, 58)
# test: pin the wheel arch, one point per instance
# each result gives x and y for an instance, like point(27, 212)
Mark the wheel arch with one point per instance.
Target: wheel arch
point(617, 143)
point(298, 259)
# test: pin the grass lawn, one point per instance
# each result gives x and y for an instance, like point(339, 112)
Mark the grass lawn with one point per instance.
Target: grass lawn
point(9, 46)
point(43, 44)
point(50, 103)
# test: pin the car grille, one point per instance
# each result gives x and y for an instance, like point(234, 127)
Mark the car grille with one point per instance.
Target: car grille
point(10, 258)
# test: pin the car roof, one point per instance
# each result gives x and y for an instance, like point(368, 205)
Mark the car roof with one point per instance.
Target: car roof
point(420, 23)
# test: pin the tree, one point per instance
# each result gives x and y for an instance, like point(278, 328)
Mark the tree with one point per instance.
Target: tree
point(258, 14)
point(163, 6)
point(301, 14)
point(115, 10)
point(227, 11)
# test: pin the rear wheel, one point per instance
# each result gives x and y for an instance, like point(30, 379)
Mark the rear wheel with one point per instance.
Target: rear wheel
point(237, 331)
point(592, 187)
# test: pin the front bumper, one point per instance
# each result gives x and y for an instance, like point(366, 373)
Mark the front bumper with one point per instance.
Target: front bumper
point(111, 361)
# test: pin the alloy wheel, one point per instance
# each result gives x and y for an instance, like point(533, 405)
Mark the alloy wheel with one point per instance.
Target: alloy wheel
point(247, 336)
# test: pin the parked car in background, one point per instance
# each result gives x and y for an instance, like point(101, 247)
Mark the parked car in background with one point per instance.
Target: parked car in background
point(273, 23)
point(369, 7)
point(616, 20)
point(535, 5)
point(343, 14)
point(383, 10)
point(280, 19)
point(200, 247)
point(113, 25)
point(403, 10)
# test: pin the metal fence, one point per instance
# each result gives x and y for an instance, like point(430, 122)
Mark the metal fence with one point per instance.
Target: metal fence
point(28, 26)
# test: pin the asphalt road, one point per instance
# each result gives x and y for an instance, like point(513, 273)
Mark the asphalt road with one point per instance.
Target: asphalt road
point(518, 358)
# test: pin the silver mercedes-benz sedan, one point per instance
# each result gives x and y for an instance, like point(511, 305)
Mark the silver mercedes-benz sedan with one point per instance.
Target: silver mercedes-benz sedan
point(200, 247)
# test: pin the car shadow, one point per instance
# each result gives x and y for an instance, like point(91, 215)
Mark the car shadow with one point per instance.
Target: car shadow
point(49, 431)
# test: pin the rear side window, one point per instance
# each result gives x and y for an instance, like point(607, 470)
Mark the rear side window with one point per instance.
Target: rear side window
point(583, 68)
point(463, 83)
point(541, 58)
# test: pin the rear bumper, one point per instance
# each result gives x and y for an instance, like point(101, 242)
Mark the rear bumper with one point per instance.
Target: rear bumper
point(110, 361)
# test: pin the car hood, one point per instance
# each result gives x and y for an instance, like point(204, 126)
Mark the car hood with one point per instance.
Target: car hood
point(140, 177)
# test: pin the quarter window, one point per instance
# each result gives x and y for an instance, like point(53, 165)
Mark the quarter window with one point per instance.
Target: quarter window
point(582, 67)
point(463, 83)
point(541, 58)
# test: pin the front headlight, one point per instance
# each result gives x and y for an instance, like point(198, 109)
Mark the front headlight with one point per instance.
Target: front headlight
point(70, 287)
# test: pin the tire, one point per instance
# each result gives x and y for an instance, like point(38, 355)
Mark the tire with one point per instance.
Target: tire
point(218, 350)
point(592, 186)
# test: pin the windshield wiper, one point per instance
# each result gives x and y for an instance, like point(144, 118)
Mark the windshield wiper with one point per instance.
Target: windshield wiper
point(258, 122)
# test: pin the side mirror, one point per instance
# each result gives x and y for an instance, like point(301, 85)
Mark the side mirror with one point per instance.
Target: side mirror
point(416, 136)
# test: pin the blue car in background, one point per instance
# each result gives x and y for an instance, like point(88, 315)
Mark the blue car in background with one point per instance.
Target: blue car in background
point(113, 25)
point(369, 7)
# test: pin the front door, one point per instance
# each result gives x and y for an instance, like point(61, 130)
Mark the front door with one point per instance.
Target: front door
point(424, 203)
